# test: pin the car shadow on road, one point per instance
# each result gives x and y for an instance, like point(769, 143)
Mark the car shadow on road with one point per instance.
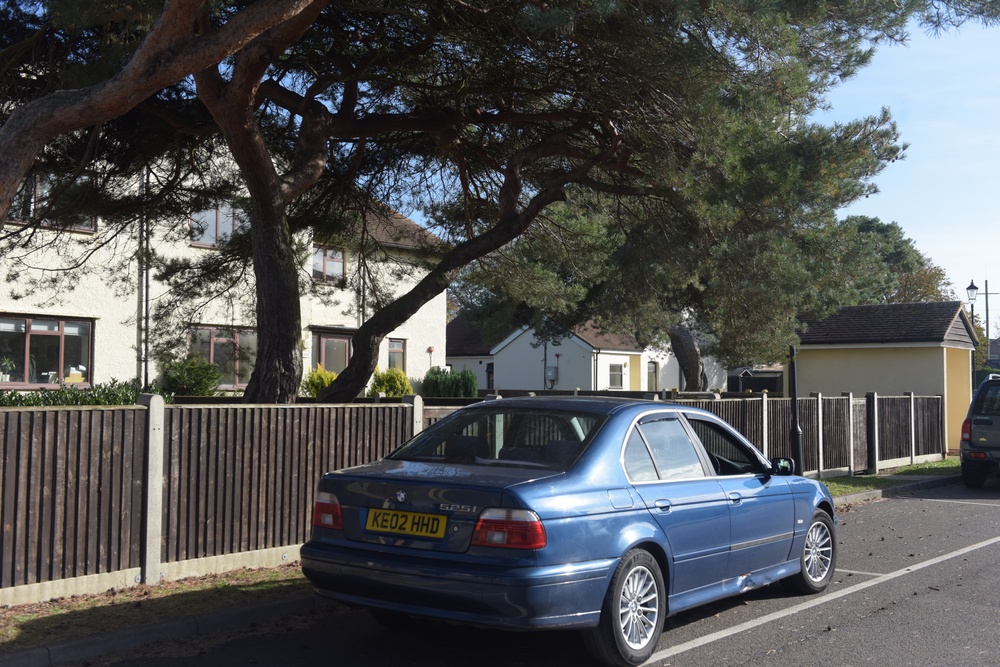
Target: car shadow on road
point(130, 610)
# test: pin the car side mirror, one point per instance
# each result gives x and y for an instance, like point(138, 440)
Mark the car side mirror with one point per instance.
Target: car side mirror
point(783, 467)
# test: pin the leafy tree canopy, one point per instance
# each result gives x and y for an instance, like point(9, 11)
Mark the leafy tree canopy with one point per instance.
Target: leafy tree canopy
point(685, 121)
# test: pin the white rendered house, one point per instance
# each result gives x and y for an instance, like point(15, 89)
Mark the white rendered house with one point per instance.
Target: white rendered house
point(84, 327)
point(587, 359)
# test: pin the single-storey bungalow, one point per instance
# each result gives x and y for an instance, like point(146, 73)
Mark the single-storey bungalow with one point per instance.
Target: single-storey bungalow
point(585, 359)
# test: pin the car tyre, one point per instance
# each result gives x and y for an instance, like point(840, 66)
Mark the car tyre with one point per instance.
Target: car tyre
point(818, 558)
point(632, 614)
point(973, 476)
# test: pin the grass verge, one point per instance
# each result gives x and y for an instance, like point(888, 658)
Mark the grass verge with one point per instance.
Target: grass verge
point(78, 616)
point(843, 486)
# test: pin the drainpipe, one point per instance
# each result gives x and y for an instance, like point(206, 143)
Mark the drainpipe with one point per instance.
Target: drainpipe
point(593, 381)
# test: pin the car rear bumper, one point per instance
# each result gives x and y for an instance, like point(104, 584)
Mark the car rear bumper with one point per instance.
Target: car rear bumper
point(979, 457)
point(564, 596)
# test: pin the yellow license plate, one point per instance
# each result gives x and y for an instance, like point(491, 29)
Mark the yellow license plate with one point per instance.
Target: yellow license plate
point(395, 522)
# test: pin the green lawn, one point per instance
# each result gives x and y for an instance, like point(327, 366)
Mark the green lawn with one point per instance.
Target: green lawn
point(842, 486)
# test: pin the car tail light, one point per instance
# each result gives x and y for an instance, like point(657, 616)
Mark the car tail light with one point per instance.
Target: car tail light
point(514, 529)
point(326, 511)
point(967, 430)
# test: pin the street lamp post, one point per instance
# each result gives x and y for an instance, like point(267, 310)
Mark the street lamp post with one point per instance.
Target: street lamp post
point(987, 293)
point(972, 291)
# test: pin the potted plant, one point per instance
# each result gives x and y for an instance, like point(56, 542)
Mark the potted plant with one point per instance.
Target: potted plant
point(6, 366)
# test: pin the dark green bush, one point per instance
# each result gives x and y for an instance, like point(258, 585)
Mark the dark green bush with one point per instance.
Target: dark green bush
point(190, 376)
point(455, 384)
point(115, 392)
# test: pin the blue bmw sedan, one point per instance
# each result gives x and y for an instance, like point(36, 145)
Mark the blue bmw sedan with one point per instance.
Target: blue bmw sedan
point(604, 515)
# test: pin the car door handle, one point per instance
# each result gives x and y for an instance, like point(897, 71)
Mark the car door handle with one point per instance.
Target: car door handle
point(736, 498)
point(662, 506)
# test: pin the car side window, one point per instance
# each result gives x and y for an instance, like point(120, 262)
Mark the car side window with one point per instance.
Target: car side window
point(674, 455)
point(638, 461)
point(728, 455)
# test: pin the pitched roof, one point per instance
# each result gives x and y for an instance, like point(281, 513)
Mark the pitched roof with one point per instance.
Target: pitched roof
point(384, 226)
point(464, 340)
point(601, 341)
point(938, 322)
point(394, 229)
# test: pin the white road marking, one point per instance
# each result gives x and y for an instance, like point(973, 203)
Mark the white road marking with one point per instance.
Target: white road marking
point(815, 602)
point(945, 500)
point(867, 574)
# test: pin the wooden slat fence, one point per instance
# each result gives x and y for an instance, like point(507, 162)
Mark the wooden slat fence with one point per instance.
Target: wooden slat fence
point(71, 497)
point(240, 479)
point(837, 433)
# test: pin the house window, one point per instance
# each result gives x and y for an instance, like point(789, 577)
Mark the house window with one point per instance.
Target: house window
point(32, 198)
point(234, 351)
point(331, 352)
point(214, 226)
point(44, 351)
point(328, 265)
point(617, 374)
point(397, 354)
point(652, 376)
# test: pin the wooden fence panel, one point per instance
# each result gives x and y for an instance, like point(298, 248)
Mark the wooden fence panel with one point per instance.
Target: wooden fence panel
point(860, 426)
point(894, 427)
point(242, 478)
point(836, 432)
point(779, 423)
point(928, 420)
point(71, 499)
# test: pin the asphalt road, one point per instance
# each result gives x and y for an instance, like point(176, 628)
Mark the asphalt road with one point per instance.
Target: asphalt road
point(916, 585)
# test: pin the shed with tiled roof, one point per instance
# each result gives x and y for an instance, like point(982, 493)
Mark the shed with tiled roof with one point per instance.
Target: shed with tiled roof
point(892, 349)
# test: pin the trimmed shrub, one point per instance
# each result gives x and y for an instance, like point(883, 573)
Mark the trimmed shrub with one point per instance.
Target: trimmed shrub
point(190, 376)
point(115, 392)
point(392, 382)
point(317, 380)
point(439, 383)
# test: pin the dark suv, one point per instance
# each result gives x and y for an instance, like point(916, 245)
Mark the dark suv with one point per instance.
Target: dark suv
point(981, 434)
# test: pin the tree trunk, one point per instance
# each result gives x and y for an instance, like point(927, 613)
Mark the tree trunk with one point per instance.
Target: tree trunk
point(277, 373)
point(685, 348)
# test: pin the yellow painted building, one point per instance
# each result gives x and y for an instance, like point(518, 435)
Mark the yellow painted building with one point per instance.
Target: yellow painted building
point(892, 349)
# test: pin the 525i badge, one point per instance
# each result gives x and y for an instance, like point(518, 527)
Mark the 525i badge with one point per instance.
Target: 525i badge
point(451, 507)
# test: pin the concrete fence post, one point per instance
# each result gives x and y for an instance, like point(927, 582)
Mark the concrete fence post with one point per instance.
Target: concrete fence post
point(871, 406)
point(416, 404)
point(764, 437)
point(152, 532)
point(850, 432)
point(912, 424)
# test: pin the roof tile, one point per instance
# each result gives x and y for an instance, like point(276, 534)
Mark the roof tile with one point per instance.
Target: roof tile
point(890, 323)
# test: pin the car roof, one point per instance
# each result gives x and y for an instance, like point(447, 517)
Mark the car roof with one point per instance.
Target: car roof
point(606, 405)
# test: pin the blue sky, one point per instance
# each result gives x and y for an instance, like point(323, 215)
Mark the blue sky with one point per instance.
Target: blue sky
point(944, 93)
